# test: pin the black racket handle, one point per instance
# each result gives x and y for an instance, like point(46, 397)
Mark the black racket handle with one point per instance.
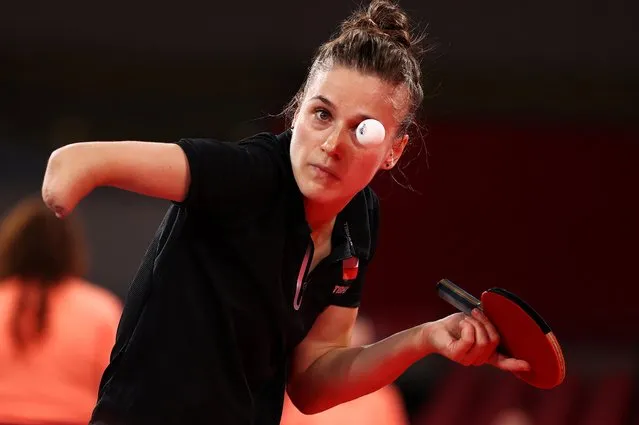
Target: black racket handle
point(457, 297)
point(462, 301)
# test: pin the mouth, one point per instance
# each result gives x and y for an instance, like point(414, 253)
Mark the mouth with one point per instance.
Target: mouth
point(324, 170)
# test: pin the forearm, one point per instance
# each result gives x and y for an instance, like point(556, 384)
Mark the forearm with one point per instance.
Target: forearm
point(154, 169)
point(343, 374)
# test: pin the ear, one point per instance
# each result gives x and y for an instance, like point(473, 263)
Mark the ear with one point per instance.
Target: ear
point(396, 152)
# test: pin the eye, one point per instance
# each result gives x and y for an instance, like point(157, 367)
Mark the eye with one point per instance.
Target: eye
point(322, 114)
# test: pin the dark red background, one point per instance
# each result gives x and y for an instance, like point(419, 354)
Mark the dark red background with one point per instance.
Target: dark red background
point(547, 211)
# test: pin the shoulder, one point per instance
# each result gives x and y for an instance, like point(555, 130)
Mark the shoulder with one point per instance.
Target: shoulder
point(368, 209)
point(236, 179)
point(266, 142)
point(362, 217)
point(9, 285)
point(94, 300)
point(371, 199)
point(277, 145)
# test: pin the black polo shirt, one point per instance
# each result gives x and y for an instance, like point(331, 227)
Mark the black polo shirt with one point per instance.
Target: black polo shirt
point(223, 294)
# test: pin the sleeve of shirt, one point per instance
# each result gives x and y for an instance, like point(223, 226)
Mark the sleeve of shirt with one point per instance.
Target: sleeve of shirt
point(231, 178)
point(352, 295)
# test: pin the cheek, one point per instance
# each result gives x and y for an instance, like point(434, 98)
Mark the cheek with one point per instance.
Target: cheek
point(303, 141)
point(296, 151)
point(364, 167)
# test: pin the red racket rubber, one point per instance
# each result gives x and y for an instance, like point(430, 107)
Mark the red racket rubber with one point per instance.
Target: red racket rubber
point(524, 334)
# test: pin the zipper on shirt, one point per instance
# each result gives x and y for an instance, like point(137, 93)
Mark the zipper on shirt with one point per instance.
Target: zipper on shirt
point(348, 238)
point(302, 276)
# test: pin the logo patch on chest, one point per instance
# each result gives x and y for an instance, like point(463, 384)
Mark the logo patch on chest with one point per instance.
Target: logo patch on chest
point(350, 267)
point(340, 289)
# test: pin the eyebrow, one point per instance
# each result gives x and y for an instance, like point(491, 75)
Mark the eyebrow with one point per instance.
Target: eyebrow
point(360, 117)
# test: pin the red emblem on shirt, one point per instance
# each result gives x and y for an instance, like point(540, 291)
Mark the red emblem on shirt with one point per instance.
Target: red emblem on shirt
point(349, 268)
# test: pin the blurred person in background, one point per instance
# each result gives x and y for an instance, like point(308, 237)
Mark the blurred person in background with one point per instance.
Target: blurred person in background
point(56, 329)
point(512, 416)
point(382, 407)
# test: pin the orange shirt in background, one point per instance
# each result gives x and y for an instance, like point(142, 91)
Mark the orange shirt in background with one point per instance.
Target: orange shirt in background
point(384, 406)
point(56, 379)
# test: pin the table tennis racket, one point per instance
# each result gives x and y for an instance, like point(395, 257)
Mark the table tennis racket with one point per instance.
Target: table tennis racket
point(523, 333)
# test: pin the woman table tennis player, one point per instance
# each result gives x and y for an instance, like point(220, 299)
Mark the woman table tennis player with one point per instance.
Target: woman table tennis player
point(253, 280)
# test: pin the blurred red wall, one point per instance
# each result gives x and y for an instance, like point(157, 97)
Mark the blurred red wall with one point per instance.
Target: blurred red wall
point(547, 212)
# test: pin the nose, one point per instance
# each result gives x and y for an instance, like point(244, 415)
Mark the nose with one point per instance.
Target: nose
point(331, 145)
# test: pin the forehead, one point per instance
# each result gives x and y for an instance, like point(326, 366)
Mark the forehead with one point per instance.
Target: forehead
point(355, 93)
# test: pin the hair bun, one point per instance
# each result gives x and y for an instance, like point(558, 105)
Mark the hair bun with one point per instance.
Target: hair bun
point(386, 17)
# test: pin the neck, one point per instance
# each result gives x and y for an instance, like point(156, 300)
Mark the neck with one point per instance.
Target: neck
point(321, 217)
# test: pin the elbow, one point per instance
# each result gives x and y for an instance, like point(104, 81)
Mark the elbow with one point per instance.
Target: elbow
point(54, 166)
point(304, 406)
point(59, 159)
point(58, 182)
point(56, 157)
point(298, 400)
point(307, 402)
point(62, 153)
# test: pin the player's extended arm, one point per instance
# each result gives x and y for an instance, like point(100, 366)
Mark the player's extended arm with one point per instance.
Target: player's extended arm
point(158, 170)
point(325, 372)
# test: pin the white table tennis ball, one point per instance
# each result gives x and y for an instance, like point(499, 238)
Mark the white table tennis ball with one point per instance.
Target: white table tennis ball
point(370, 132)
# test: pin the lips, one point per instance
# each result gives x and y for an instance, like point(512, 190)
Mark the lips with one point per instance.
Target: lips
point(327, 170)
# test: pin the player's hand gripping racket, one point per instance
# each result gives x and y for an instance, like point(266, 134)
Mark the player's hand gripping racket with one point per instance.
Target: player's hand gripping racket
point(523, 333)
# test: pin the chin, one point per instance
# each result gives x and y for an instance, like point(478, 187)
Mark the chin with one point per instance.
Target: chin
point(320, 193)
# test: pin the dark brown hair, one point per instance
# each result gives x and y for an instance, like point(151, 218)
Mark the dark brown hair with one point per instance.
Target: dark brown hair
point(38, 250)
point(377, 41)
